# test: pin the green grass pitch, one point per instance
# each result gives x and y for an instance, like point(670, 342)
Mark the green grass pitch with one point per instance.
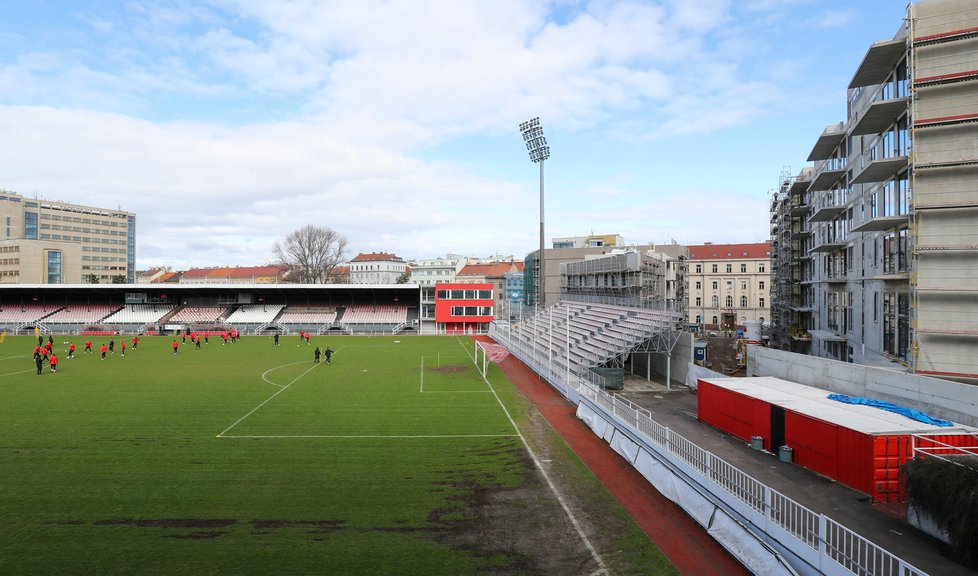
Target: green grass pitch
point(248, 458)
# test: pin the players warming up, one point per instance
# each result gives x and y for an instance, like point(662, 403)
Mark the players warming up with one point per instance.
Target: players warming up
point(329, 355)
point(71, 350)
point(122, 346)
point(135, 342)
point(88, 346)
point(316, 355)
point(175, 345)
point(103, 350)
point(53, 361)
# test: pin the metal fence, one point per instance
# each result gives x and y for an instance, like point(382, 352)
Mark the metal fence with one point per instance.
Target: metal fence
point(832, 548)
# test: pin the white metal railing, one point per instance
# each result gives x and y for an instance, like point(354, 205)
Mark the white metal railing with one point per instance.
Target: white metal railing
point(830, 540)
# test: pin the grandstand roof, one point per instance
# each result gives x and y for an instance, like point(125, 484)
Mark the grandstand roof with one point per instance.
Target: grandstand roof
point(377, 257)
point(494, 270)
point(758, 250)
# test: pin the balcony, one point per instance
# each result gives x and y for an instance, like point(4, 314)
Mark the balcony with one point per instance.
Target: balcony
point(880, 115)
point(829, 206)
point(881, 170)
point(799, 209)
point(826, 144)
point(880, 223)
point(878, 62)
point(829, 245)
point(829, 174)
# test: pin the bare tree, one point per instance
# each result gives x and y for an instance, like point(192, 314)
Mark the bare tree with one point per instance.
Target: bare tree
point(311, 253)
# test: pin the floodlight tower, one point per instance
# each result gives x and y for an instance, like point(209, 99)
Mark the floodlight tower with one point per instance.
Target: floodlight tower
point(536, 144)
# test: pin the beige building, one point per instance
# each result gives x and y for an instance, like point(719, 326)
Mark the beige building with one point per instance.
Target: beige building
point(45, 242)
point(729, 284)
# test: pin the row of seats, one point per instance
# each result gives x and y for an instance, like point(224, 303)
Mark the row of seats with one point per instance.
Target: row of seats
point(375, 314)
point(589, 334)
point(25, 313)
point(82, 314)
point(140, 314)
point(307, 316)
point(255, 314)
point(198, 314)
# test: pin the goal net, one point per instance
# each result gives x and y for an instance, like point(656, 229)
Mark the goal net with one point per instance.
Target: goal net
point(486, 352)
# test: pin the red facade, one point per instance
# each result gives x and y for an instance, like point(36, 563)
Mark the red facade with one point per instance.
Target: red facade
point(866, 462)
point(463, 308)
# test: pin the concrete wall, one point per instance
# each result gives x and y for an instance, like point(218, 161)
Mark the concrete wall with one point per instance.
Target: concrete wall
point(682, 355)
point(936, 397)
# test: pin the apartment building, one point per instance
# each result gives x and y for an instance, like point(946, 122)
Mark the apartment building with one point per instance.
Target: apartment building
point(48, 242)
point(882, 232)
point(729, 284)
point(377, 268)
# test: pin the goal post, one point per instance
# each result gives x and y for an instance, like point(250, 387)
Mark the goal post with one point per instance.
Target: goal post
point(486, 352)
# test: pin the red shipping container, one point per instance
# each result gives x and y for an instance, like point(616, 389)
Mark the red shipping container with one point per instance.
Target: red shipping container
point(860, 446)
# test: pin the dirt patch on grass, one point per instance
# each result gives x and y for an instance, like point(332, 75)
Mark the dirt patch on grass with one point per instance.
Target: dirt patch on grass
point(455, 369)
point(310, 526)
point(521, 530)
point(168, 522)
point(200, 535)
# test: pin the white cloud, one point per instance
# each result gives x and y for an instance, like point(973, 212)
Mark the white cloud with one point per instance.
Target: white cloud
point(337, 107)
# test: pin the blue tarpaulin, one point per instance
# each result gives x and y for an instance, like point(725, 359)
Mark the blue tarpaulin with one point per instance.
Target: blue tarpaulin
point(891, 407)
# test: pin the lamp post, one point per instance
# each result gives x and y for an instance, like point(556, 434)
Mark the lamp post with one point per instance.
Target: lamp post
point(536, 144)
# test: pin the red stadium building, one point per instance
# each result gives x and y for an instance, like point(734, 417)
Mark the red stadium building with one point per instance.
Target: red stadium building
point(463, 308)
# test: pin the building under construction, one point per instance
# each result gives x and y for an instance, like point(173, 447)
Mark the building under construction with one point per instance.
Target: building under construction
point(875, 247)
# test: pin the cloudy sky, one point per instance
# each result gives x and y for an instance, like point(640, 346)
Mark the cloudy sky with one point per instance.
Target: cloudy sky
point(226, 124)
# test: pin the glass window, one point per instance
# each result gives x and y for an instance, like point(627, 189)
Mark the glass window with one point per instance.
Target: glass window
point(699, 268)
point(715, 284)
point(699, 301)
point(30, 225)
point(699, 285)
point(443, 294)
point(760, 268)
point(470, 294)
point(458, 294)
point(743, 268)
point(485, 294)
point(729, 301)
point(743, 301)
point(760, 285)
point(54, 267)
point(729, 268)
point(714, 268)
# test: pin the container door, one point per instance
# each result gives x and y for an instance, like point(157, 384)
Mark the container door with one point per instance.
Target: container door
point(777, 428)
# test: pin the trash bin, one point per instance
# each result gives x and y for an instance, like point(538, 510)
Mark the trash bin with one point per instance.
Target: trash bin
point(786, 454)
point(757, 442)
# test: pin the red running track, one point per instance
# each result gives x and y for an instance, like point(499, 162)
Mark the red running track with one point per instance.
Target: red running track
point(680, 538)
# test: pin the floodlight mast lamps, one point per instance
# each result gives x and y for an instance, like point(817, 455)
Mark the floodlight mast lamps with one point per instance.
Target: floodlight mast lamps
point(536, 145)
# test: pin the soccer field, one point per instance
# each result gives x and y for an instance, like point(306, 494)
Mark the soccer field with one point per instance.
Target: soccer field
point(246, 458)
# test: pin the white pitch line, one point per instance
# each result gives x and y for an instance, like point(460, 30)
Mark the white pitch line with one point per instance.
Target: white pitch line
point(15, 373)
point(276, 368)
point(428, 436)
point(602, 569)
point(253, 410)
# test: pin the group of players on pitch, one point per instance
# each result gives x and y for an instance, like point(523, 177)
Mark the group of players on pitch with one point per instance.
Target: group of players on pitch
point(44, 352)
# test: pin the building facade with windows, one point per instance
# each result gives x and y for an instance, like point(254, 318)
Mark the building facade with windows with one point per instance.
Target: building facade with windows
point(729, 284)
point(376, 268)
point(47, 242)
point(881, 234)
point(462, 308)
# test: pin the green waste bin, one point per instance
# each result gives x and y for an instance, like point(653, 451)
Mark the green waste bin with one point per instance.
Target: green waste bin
point(786, 454)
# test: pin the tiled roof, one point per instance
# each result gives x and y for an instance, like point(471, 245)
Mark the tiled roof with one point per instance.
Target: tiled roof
point(730, 251)
point(490, 270)
point(377, 257)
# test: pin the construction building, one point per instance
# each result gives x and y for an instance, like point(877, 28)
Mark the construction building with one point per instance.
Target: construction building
point(881, 235)
point(647, 278)
point(48, 242)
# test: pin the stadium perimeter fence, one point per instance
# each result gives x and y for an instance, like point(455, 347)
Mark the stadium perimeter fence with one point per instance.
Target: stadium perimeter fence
point(817, 543)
